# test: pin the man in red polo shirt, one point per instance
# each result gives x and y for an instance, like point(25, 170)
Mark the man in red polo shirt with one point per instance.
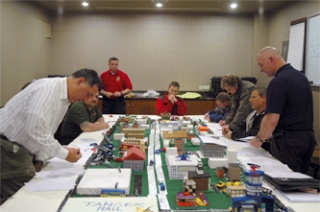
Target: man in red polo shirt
point(116, 84)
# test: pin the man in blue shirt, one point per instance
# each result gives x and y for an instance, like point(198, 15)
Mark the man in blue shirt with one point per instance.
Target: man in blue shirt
point(223, 101)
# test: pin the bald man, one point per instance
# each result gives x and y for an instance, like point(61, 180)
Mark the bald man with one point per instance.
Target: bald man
point(289, 112)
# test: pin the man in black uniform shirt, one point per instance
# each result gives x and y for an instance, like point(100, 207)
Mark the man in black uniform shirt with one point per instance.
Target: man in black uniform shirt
point(289, 112)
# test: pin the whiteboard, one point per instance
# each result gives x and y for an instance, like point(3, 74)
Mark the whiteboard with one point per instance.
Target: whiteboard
point(313, 49)
point(296, 46)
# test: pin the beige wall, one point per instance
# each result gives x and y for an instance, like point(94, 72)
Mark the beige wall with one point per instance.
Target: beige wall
point(280, 21)
point(260, 40)
point(155, 48)
point(25, 47)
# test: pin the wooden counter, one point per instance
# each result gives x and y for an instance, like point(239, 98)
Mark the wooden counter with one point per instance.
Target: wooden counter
point(146, 105)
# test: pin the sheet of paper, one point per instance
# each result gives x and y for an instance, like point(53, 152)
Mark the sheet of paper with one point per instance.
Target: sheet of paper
point(58, 175)
point(86, 151)
point(190, 95)
point(51, 184)
point(211, 140)
point(88, 140)
point(249, 151)
point(216, 129)
point(115, 204)
point(267, 163)
point(56, 171)
point(301, 196)
point(246, 139)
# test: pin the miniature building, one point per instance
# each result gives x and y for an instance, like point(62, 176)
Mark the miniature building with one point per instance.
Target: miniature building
point(186, 200)
point(142, 120)
point(127, 119)
point(236, 191)
point(203, 181)
point(178, 169)
point(123, 125)
point(118, 136)
point(179, 143)
point(134, 132)
point(175, 118)
point(234, 172)
point(254, 183)
point(186, 118)
point(135, 124)
point(134, 159)
point(179, 136)
point(212, 150)
point(128, 143)
point(188, 197)
point(254, 197)
point(169, 125)
point(165, 116)
point(194, 140)
point(94, 180)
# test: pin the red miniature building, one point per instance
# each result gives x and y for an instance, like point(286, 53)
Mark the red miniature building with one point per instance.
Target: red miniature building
point(134, 159)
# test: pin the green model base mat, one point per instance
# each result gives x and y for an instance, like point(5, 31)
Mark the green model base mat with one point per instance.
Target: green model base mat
point(218, 200)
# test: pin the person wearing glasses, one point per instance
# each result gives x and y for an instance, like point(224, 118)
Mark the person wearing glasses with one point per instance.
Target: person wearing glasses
point(29, 120)
point(81, 117)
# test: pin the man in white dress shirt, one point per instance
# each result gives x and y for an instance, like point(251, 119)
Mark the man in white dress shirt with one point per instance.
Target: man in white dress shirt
point(29, 120)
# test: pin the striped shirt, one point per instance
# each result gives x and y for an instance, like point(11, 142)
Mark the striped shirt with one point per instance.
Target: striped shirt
point(33, 115)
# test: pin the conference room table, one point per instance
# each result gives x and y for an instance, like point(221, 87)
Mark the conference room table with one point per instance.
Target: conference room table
point(39, 201)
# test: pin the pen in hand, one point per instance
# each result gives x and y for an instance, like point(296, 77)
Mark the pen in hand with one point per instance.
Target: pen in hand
point(222, 122)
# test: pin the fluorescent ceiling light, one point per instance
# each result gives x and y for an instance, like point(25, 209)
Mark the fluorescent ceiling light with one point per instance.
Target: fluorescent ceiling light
point(234, 5)
point(159, 5)
point(85, 4)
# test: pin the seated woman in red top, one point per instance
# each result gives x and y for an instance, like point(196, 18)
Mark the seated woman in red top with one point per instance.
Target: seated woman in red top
point(170, 103)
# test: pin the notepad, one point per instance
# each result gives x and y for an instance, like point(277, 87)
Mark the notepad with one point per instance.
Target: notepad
point(190, 95)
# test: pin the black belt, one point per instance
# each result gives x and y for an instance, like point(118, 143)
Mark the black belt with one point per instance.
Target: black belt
point(112, 99)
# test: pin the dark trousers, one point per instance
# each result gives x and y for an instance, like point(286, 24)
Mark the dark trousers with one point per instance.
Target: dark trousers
point(114, 106)
point(16, 167)
point(294, 148)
